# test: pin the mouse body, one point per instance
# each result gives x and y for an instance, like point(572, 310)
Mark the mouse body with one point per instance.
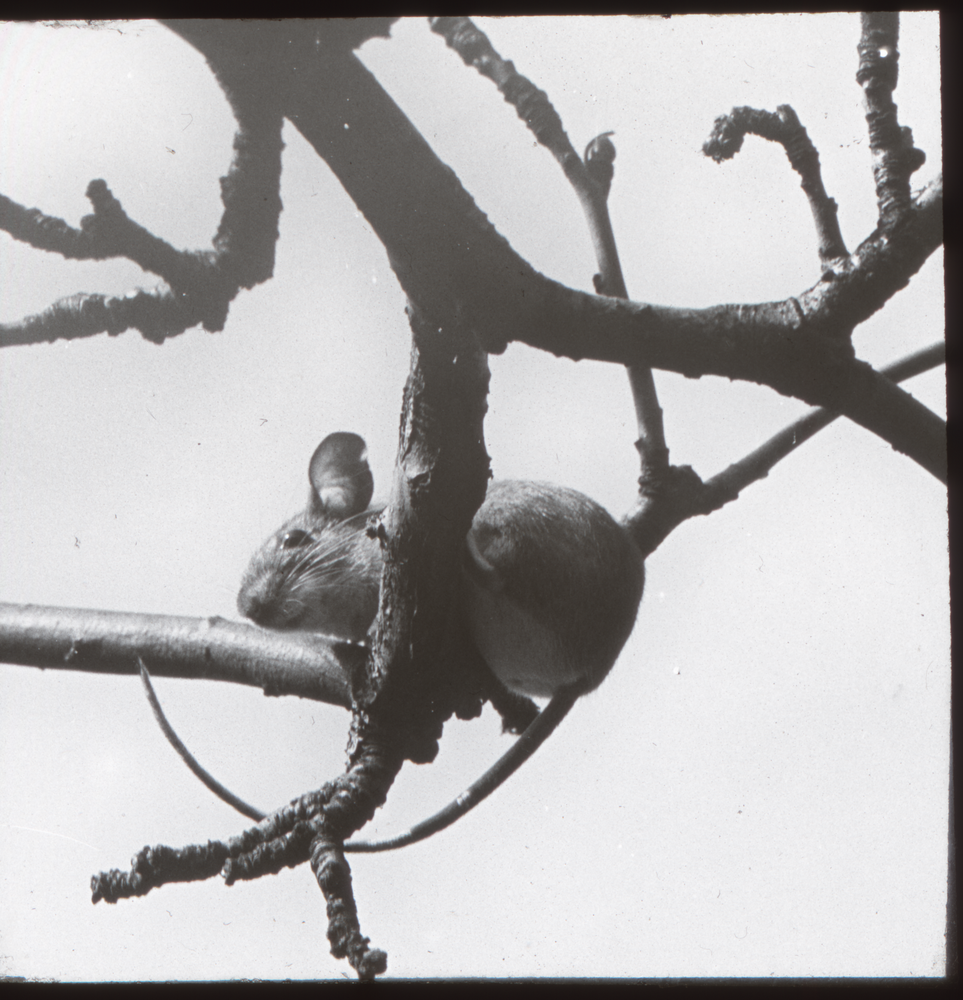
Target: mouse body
point(551, 583)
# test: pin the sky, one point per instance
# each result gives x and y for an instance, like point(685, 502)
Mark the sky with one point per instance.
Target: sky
point(759, 788)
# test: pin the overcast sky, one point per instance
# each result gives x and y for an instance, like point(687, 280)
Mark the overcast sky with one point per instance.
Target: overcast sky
point(759, 788)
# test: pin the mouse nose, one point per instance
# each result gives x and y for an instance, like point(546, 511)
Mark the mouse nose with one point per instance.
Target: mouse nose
point(248, 605)
point(255, 604)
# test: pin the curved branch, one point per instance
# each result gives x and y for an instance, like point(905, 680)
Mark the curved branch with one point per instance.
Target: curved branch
point(110, 642)
point(201, 284)
point(766, 343)
point(785, 128)
point(108, 232)
point(444, 251)
point(440, 244)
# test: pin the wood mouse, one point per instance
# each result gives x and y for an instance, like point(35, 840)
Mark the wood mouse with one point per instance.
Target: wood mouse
point(552, 583)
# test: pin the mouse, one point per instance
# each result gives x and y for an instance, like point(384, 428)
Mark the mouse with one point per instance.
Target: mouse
point(551, 582)
point(551, 585)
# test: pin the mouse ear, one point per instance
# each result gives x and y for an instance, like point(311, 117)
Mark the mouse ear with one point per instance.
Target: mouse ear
point(341, 479)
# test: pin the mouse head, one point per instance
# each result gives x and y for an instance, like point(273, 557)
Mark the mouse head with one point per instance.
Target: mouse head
point(320, 572)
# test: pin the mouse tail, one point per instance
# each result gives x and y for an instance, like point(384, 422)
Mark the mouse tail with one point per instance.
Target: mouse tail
point(538, 731)
point(544, 724)
point(209, 780)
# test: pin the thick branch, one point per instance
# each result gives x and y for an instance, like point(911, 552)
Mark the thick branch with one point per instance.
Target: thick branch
point(765, 343)
point(443, 248)
point(418, 675)
point(437, 239)
point(441, 245)
point(110, 642)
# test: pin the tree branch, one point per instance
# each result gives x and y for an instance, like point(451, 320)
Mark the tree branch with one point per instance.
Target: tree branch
point(894, 156)
point(110, 642)
point(419, 674)
point(202, 284)
point(157, 314)
point(311, 827)
point(785, 128)
point(685, 495)
point(757, 464)
point(591, 180)
point(436, 238)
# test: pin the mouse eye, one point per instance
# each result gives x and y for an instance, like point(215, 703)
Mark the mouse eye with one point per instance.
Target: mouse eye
point(293, 539)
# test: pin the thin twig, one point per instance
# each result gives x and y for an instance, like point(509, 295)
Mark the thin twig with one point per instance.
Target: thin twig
point(785, 128)
point(533, 106)
point(651, 443)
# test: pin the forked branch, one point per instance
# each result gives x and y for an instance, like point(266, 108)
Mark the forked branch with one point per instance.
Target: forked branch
point(591, 179)
point(687, 495)
point(436, 237)
point(198, 286)
point(311, 827)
